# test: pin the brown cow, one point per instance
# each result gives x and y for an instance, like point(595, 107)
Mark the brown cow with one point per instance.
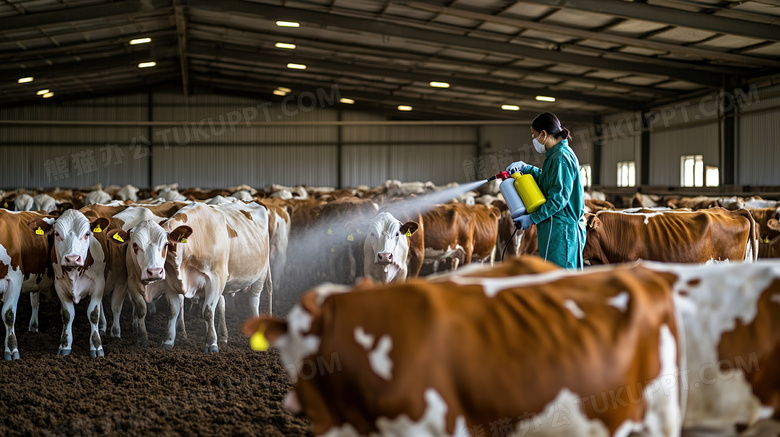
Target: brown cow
point(673, 236)
point(24, 267)
point(493, 349)
point(449, 234)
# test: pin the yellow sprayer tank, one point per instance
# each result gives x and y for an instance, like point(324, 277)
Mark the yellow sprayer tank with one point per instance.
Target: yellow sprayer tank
point(529, 192)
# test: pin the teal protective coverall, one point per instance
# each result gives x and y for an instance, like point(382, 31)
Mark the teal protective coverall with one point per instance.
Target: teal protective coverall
point(559, 223)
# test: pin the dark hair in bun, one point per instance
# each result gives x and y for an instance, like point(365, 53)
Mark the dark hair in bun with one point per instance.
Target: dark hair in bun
point(547, 121)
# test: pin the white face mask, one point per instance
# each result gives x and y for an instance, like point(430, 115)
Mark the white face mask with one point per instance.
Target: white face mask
point(539, 147)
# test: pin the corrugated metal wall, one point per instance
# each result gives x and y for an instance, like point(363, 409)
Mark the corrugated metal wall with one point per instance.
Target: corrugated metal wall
point(74, 156)
point(621, 140)
point(692, 127)
point(758, 131)
point(219, 149)
point(373, 154)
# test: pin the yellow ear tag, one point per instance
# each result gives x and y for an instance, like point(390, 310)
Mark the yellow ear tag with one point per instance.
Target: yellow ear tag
point(350, 237)
point(258, 341)
point(332, 250)
point(358, 230)
point(39, 231)
point(766, 239)
point(408, 232)
point(97, 229)
point(181, 239)
point(5, 205)
point(118, 238)
point(330, 231)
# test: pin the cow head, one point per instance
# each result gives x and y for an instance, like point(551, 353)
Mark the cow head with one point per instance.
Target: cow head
point(771, 248)
point(148, 246)
point(72, 232)
point(593, 252)
point(387, 239)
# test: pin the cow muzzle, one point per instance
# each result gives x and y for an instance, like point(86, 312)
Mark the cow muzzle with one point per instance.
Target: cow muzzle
point(72, 261)
point(384, 258)
point(152, 275)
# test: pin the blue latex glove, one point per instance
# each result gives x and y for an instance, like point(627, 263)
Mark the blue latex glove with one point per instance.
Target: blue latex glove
point(518, 166)
point(524, 221)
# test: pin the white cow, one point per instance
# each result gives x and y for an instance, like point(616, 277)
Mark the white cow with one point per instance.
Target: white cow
point(44, 202)
point(386, 249)
point(128, 192)
point(201, 250)
point(97, 197)
point(24, 202)
point(79, 266)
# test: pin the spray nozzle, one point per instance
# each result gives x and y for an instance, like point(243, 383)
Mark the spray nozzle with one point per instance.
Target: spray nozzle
point(503, 175)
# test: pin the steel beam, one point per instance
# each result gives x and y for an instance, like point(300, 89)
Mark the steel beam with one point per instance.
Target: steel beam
point(675, 17)
point(416, 76)
point(681, 71)
point(70, 15)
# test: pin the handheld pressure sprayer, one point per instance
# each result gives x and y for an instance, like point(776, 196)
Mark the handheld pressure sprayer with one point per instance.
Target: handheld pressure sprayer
point(521, 194)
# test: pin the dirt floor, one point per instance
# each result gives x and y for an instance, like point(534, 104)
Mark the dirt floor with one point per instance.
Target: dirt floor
point(143, 391)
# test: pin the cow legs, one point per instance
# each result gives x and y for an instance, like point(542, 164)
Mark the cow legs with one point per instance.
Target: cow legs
point(117, 301)
point(177, 307)
point(223, 332)
point(213, 293)
point(180, 318)
point(102, 325)
point(139, 319)
point(93, 314)
point(11, 299)
point(67, 311)
point(35, 302)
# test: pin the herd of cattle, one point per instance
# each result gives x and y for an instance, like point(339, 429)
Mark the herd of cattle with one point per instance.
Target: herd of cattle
point(521, 327)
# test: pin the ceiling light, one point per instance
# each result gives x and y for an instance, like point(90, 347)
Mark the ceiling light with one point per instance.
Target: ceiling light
point(440, 84)
point(147, 64)
point(42, 92)
point(47, 95)
point(510, 107)
point(286, 90)
point(140, 41)
point(404, 108)
point(279, 93)
point(346, 101)
point(25, 79)
point(287, 24)
point(284, 45)
point(296, 66)
point(545, 99)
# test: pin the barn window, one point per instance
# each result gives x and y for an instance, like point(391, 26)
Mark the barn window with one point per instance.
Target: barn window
point(691, 171)
point(712, 176)
point(585, 176)
point(626, 174)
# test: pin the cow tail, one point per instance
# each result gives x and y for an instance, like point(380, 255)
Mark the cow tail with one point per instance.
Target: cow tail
point(753, 237)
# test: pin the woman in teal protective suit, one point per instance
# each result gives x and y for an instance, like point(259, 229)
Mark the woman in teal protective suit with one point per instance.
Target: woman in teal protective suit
point(559, 223)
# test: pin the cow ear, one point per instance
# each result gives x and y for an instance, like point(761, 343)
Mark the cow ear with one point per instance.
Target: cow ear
point(38, 225)
point(180, 234)
point(409, 228)
point(118, 236)
point(773, 224)
point(593, 222)
point(264, 331)
point(99, 224)
point(64, 206)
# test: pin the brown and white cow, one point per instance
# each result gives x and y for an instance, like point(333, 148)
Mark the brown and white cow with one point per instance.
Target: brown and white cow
point(715, 234)
point(201, 250)
point(449, 234)
point(537, 354)
point(730, 350)
point(79, 260)
point(24, 267)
